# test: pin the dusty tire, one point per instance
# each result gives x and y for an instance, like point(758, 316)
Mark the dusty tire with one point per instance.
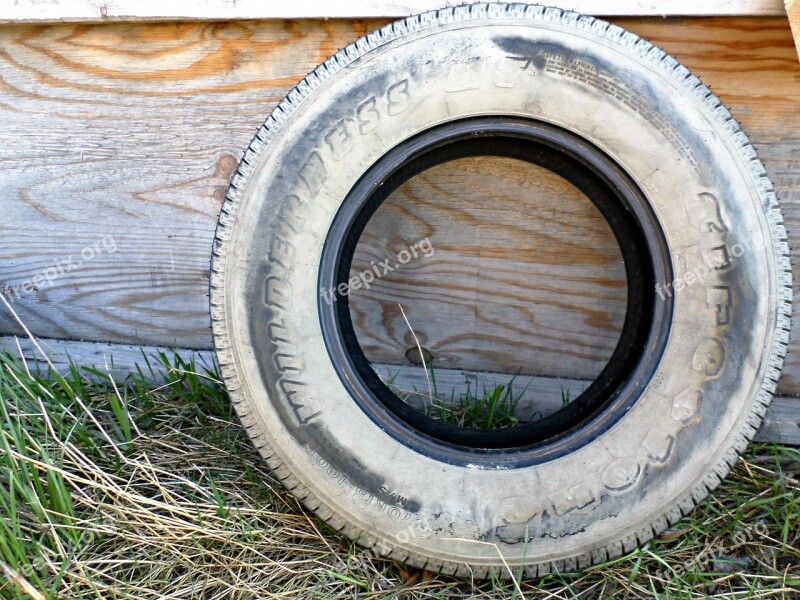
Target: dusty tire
point(560, 505)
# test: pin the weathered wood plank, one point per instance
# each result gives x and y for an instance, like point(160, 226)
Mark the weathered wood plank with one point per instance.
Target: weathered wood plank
point(155, 10)
point(544, 396)
point(132, 131)
point(781, 424)
point(118, 360)
point(524, 274)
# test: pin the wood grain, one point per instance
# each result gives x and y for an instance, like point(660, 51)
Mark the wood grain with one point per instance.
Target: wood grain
point(151, 10)
point(132, 131)
point(524, 274)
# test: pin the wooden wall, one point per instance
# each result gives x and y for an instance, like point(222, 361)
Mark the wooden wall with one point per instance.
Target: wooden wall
point(517, 272)
point(128, 133)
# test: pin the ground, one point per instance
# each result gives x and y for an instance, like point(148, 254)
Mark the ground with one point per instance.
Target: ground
point(133, 489)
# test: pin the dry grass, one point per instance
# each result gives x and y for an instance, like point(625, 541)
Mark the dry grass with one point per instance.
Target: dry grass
point(145, 491)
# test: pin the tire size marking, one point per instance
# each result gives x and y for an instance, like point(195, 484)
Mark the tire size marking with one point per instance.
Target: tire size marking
point(584, 71)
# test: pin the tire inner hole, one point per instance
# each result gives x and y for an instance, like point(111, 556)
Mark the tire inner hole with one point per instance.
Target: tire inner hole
point(487, 292)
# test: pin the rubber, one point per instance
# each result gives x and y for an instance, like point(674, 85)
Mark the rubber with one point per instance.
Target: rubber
point(571, 512)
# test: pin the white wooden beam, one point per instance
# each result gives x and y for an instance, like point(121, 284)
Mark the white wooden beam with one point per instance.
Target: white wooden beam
point(793, 12)
point(42, 11)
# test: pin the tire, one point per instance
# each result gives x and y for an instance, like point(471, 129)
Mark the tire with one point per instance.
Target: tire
point(678, 419)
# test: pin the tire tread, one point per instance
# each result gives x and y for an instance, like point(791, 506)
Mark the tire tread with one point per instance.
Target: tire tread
point(658, 59)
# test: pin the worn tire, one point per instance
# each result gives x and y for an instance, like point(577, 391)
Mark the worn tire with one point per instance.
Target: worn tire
point(728, 332)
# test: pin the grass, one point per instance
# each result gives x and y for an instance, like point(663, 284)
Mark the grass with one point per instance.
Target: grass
point(494, 407)
point(133, 489)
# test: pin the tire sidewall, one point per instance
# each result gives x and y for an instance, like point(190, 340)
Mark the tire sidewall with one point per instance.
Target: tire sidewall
point(694, 176)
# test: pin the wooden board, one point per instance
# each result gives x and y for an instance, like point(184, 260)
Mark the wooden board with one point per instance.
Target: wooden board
point(544, 395)
point(521, 273)
point(130, 132)
point(114, 10)
point(781, 424)
point(117, 360)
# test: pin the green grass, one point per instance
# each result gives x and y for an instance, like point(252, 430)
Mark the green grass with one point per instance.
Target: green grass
point(490, 407)
point(151, 490)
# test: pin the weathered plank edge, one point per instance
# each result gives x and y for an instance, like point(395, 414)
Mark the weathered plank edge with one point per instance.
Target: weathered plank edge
point(781, 424)
point(119, 360)
point(38, 11)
